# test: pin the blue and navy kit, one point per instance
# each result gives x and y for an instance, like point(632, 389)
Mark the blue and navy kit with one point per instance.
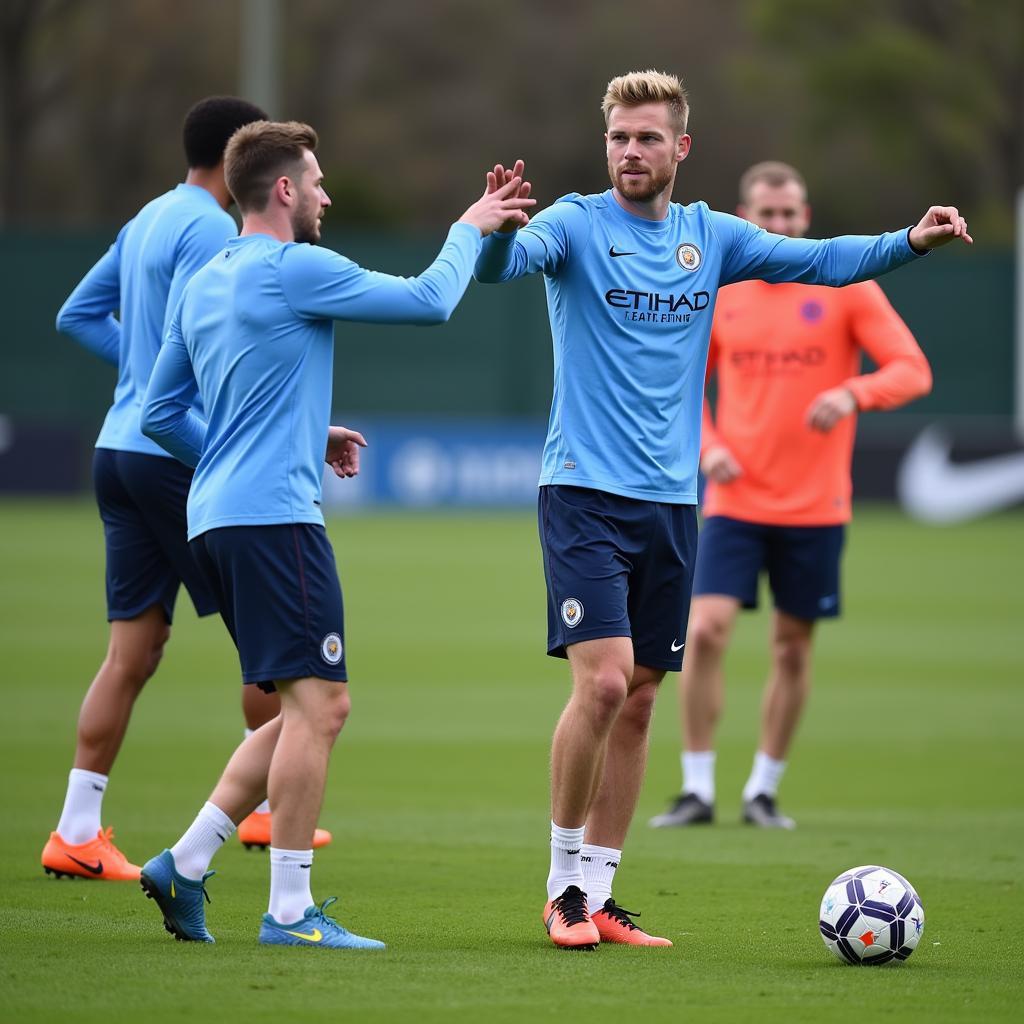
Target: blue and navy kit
point(630, 303)
point(141, 493)
point(253, 339)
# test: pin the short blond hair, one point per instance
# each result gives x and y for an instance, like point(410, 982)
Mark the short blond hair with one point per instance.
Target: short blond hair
point(260, 153)
point(639, 87)
point(772, 172)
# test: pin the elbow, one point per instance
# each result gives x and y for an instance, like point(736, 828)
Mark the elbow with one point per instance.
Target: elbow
point(152, 424)
point(436, 312)
point(66, 319)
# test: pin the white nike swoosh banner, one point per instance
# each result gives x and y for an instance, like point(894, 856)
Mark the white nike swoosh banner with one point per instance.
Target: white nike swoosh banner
point(937, 490)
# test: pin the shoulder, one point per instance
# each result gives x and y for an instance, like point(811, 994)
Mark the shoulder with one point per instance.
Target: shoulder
point(572, 207)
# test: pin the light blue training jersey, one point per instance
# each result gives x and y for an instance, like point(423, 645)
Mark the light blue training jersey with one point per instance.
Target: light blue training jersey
point(630, 303)
point(254, 337)
point(142, 276)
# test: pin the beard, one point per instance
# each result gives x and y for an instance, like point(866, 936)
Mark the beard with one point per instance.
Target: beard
point(306, 223)
point(641, 190)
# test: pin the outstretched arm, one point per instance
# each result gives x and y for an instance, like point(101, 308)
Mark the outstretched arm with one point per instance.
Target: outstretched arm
point(751, 252)
point(321, 284)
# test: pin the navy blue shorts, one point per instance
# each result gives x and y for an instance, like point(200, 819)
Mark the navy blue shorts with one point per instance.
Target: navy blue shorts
point(142, 504)
point(617, 567)
point(802, 563)
point(280, 598)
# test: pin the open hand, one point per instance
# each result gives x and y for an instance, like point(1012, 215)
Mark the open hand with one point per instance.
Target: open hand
point(343, 450)
point(940, 225)
point(504, 203)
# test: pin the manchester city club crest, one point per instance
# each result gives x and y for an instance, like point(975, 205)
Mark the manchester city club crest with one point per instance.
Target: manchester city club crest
point(572, 612)
point(330, 649)
point(688, 256)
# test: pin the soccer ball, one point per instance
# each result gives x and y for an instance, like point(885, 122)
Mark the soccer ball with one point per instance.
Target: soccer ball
point(871, 915)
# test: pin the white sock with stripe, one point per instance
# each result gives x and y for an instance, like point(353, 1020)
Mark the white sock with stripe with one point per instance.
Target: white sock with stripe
point(599, 864)
point(193, 852)
point(290, 893)
point(566, 868)
point(83, 805)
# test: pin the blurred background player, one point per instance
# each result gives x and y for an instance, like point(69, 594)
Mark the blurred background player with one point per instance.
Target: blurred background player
point(253, 337)
point(631, 279)
point(141, 492)
point(777, 459)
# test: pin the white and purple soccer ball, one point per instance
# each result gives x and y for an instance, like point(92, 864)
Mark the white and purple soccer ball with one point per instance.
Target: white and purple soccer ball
point(871, 915)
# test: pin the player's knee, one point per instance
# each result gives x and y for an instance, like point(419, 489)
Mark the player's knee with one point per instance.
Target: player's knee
point(338, 708)
point(605, 693)
point(707, 634)
point(639, 708)
point(792, 657)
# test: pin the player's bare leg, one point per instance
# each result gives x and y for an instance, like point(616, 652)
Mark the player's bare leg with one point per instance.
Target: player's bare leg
point(133, 654)
point(258, 708)
point(313, 712)
point(79, 846)
point(601, 671)
point(701, 698)
point(782, 705)
point(613, 807)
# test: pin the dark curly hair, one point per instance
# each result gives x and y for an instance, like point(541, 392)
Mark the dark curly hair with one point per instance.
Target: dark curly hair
point(209, 125)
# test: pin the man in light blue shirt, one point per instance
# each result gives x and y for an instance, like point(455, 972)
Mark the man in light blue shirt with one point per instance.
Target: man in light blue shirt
point(140, 491)
point(631, 282)
point(253, 339)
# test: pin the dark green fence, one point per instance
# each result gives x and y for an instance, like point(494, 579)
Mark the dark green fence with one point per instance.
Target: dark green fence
point(494, 357)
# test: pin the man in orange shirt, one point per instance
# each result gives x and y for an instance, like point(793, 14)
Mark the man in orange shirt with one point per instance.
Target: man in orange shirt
point(777, 461)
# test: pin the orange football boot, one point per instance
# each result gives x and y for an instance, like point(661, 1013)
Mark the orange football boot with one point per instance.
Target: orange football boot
point(255, 831)
point(568, 922)
point(98, 858)
point(614, 924)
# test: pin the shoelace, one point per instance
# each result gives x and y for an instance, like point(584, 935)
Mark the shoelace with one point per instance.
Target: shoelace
point(620, 914)
point(209, 874)
point(572, 906)
point(321, 913)
point(106, 838)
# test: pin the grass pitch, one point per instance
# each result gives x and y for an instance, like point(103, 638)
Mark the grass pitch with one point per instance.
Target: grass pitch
point(911, 756)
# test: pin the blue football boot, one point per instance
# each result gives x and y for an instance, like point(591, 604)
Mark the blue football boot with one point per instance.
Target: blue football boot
point(315, 928)
point(180, 899)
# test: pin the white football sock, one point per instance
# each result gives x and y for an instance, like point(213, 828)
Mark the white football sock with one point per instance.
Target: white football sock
point(699, 774)
point(193, 852)
point(765, 776)
point(80, 819)
point(566, 868)
point(264, 808)
point(599, 864)
point(290, 893)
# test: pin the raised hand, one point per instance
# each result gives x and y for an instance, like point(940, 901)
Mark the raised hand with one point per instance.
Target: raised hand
point(504, 203)
point(829, 408)
point(719, 464)
point(940, 225)
point(343, 450)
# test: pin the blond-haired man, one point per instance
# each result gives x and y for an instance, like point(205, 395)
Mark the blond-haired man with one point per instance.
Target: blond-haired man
point(777, 459)
point(253, 336)
point(631, 281)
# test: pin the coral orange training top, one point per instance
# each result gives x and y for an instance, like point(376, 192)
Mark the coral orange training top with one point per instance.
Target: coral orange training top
point(775, 348)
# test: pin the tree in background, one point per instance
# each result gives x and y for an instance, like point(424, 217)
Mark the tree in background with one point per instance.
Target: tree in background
point(898, 102)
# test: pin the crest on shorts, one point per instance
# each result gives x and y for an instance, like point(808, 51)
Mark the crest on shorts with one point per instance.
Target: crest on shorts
point(688, 256)
point(572, 612)
point(331, 649)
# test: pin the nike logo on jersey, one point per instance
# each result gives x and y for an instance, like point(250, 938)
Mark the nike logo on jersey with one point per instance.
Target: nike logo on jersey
point(613, 253)
point(937, 490)
point(677, 647)
point(314, 936)
point(97, 870)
